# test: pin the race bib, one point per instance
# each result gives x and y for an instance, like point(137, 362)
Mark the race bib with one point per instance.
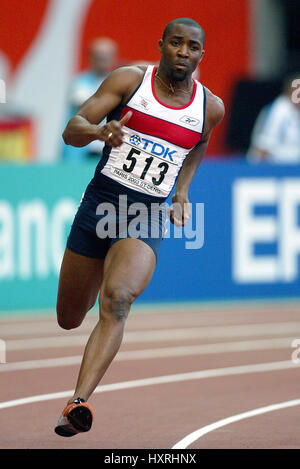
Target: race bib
point(145, 164)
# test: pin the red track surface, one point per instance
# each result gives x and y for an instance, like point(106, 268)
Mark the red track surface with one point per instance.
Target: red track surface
point(159, 415)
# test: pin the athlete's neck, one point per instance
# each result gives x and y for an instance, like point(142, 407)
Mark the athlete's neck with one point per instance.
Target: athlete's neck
point(172, 85)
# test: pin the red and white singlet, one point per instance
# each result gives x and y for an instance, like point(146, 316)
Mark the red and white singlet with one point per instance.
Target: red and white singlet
point(157, 139)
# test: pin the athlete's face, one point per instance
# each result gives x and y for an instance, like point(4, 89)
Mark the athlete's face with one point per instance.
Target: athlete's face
point(181, 51)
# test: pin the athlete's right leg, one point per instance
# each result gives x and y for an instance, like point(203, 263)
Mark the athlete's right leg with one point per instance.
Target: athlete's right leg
point(129, 266)
point(79, 284)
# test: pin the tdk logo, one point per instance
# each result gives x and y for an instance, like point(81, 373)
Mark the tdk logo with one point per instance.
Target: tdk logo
point(154, 148)
point(135, 139)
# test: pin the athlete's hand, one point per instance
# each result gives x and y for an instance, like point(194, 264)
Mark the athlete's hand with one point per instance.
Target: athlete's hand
point(112, 132)
point(180, 211)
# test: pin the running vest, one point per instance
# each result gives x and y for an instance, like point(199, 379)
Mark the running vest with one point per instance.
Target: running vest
point(156, 141)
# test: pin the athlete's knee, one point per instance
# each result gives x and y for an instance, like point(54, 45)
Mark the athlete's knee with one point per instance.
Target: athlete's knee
point(67, 323)
point(71, 311)
point(115, 303)
point(68, 319)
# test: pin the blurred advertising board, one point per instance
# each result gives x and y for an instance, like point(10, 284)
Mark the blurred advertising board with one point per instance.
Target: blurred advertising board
point(242, 241)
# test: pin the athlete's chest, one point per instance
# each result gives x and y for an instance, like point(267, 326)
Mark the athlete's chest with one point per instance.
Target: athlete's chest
point(157, 139)
point(182, 126)
point(190, 116)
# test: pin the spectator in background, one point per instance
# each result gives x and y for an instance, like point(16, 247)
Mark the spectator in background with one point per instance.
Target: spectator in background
point(103, 58)
point(276, 133)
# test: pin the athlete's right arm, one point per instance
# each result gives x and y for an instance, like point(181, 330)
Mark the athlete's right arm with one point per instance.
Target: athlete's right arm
point(83, 127)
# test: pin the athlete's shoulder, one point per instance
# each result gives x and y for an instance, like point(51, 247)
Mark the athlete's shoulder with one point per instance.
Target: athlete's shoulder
point(215, 109)
point(122, 81)
point(129, 73)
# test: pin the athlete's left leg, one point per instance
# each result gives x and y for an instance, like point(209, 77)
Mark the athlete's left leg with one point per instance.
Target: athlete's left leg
point(128, 268)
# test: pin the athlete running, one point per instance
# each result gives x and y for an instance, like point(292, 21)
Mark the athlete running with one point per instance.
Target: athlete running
point(159, 121)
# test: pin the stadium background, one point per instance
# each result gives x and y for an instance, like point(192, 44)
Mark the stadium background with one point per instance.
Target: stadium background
point(250, 46)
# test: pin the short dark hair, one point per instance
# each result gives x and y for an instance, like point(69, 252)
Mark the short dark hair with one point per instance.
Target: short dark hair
point(187, 21)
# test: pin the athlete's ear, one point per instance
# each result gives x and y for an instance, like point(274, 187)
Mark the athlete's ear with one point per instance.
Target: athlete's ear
point(202, 54)
point(160, 45)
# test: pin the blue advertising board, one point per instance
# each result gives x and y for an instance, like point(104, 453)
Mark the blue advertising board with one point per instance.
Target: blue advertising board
point(251, 237)
point(242, 241)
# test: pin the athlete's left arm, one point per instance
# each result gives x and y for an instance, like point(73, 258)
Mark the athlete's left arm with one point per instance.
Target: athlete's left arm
point(180, 212)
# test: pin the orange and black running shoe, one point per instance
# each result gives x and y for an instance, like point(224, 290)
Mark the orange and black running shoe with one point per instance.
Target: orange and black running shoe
point(76, 417)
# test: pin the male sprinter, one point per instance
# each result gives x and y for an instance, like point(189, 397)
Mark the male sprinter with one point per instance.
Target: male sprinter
point(159, 121)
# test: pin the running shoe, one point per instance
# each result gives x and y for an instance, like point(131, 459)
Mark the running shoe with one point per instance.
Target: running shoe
point(76, 417)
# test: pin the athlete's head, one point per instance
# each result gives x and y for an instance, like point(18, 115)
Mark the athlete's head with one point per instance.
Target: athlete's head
point(181, 47)
point(186, 21)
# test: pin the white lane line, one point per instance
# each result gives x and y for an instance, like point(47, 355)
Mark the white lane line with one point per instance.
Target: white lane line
point(40, 328)
point(192, 437)
point(175, 378)
point(45, 325)
point(263, 304)
point(46, 342)
point(163, 352)
point(142, 336)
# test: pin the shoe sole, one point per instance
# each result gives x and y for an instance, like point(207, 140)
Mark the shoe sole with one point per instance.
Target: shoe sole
point(61, 432)
point(81, 418)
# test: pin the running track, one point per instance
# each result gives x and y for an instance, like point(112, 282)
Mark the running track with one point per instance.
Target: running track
point(187, 376)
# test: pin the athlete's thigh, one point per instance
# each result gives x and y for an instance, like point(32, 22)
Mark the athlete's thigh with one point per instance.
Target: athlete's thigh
point(79, 284)
point(129, 266)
